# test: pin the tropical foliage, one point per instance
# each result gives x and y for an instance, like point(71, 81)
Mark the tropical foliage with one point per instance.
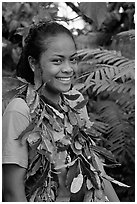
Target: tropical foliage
point(106, 74)
point(108, 79)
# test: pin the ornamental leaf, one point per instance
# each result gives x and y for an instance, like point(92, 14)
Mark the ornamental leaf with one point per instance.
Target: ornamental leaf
point(72, 118)
point(81, 104)
point(104, 152)
point(65, 165)
point(109, 178)
point(78, 145)
point(56, 126)
point(72, 97)
point(31, 94)
point(35, 167)
point(35, 103)
point(65, 141)
point(76, 184)
point(49, 146)
point(99, 194)
point(90, 173)
point(68, 126)
point(58, 135)
point(33, 138)
point(89, 184)
point(39, 181)
point(60, 159)
point(88, 196)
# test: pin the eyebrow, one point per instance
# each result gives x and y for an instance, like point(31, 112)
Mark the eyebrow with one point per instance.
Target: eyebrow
point(63, 55)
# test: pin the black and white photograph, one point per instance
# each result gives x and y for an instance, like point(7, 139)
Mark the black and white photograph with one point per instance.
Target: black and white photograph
point(68, 101)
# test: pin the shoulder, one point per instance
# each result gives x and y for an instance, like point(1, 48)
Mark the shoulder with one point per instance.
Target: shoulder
point(17, 105)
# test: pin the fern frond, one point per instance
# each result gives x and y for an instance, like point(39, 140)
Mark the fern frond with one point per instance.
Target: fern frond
point(121, 132)
point(130, 34)
point(109, 67)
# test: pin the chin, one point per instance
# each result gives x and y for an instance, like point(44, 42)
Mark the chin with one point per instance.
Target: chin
point(65, 89)
point(57, 90)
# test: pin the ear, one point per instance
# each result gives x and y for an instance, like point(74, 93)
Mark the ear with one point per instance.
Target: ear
point(37, 72)
point(32, 63)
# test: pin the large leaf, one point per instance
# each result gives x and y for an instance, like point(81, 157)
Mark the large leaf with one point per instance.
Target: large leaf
point(95, 10)
point(76, 184)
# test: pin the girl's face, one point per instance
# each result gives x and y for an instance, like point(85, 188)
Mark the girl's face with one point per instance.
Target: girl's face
point(59, 63)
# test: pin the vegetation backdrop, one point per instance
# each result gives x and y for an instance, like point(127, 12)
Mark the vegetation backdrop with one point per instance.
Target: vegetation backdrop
point(106, 70)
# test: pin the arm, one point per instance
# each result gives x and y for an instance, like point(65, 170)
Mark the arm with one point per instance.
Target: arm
point(14, 155)
point(13, 183)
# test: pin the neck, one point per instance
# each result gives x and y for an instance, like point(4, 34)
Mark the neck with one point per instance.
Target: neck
point(51, 95)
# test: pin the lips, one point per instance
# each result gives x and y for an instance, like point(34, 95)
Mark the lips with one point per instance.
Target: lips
point(66, 79)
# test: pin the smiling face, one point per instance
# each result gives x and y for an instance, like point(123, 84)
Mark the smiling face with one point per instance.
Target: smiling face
point(58, 63)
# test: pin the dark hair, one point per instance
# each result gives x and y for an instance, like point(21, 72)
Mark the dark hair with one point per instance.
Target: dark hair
point(34, 46)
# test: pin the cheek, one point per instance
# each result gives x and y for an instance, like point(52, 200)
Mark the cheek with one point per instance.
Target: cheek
point(49, 72)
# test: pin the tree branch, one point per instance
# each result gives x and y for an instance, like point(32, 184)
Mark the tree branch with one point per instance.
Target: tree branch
point(77, 10)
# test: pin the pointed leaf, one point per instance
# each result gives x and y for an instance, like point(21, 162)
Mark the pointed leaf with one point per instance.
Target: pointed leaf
point(114, 181)
point(81, 104)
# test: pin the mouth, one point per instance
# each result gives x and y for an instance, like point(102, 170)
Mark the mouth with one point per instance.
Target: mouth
point(64, 79)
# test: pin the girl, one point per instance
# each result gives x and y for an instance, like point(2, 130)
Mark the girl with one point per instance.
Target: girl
point(45, 150)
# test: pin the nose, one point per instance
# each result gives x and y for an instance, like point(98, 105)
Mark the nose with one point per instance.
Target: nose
point(67, 67)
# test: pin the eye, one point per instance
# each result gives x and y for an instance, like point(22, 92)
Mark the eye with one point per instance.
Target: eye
point(73, 60)
point(57, 61)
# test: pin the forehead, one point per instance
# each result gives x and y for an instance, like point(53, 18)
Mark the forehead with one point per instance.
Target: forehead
point(60, 43)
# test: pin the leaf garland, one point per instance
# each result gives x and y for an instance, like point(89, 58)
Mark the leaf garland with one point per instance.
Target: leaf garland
point(57, 139)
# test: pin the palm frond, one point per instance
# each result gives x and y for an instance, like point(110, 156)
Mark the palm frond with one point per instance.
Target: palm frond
point(121, 133)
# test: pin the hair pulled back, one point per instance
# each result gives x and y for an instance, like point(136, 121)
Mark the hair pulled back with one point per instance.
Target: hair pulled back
point(35, 46)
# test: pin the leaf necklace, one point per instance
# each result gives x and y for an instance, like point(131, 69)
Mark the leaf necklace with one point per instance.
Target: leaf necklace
point(57, 139)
